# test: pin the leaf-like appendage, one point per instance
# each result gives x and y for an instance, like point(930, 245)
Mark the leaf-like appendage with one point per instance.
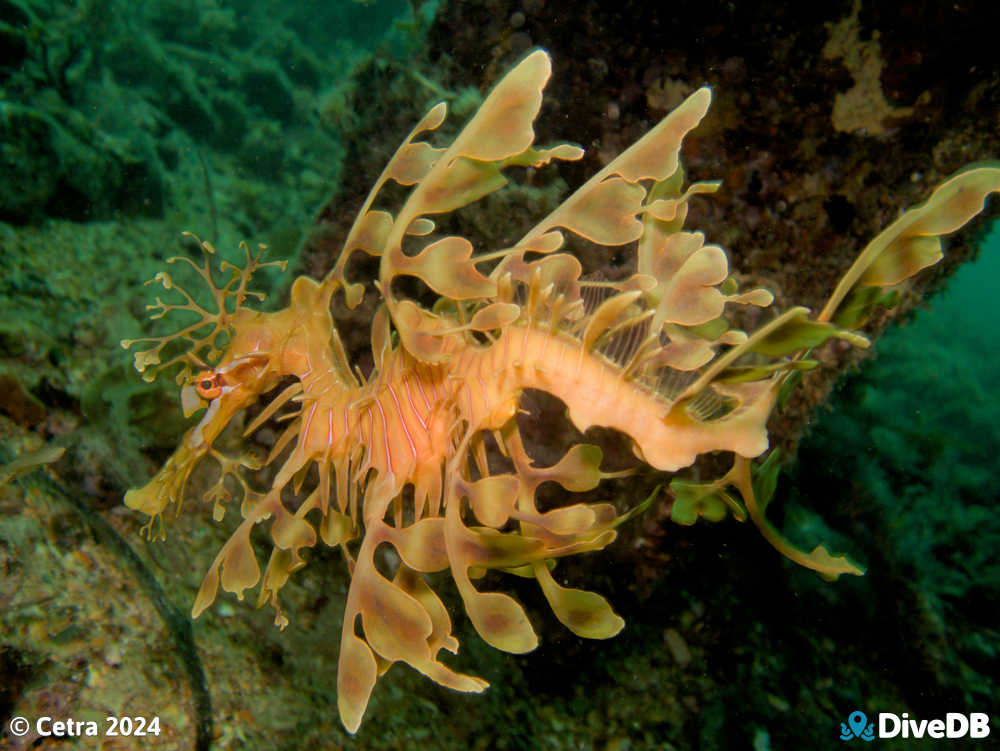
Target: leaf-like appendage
point(240, 570)
point(356, 675)
point(465, 181)
point(819, 560)
point(415, 586)
point(207, 591)
point(606, 214)
point(412, 162)
point(420, 331)
point(291, 532)
point(578, 471)
point(566, 521)
point(493, 498)
point(708, 500)
point(445, 267)
point(656, 155)
point(586, 614)
point(901, 260)
point(501, 622)
point(421, 545)
point(494, 316)
point(336, 528)
point(909, 244)
point(798, 333)
point(502, 127)
point(692, 296)
point(395, 625)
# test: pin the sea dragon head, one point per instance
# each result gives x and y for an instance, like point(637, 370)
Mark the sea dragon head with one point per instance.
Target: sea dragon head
point(229, 356)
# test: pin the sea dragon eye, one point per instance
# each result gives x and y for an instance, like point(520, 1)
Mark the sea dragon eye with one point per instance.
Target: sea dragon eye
point(209, 384)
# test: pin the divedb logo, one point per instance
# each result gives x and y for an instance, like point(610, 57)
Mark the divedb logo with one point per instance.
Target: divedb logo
point(953, 725)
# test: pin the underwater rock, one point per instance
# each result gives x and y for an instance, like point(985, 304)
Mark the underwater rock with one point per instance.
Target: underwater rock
point(62, 168)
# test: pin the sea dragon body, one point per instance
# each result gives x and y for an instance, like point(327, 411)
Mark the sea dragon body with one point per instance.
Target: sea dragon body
point(424, 453)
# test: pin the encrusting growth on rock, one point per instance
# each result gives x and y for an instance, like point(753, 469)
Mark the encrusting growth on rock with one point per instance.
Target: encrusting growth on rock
point(424, 454)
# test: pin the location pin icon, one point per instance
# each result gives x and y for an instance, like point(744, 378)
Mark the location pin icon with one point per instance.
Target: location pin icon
point(857, 721)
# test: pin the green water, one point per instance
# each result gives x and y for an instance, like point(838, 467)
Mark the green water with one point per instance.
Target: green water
point(903, 468)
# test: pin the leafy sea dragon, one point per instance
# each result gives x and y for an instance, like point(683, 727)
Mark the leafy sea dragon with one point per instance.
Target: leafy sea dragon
point(424, 453)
